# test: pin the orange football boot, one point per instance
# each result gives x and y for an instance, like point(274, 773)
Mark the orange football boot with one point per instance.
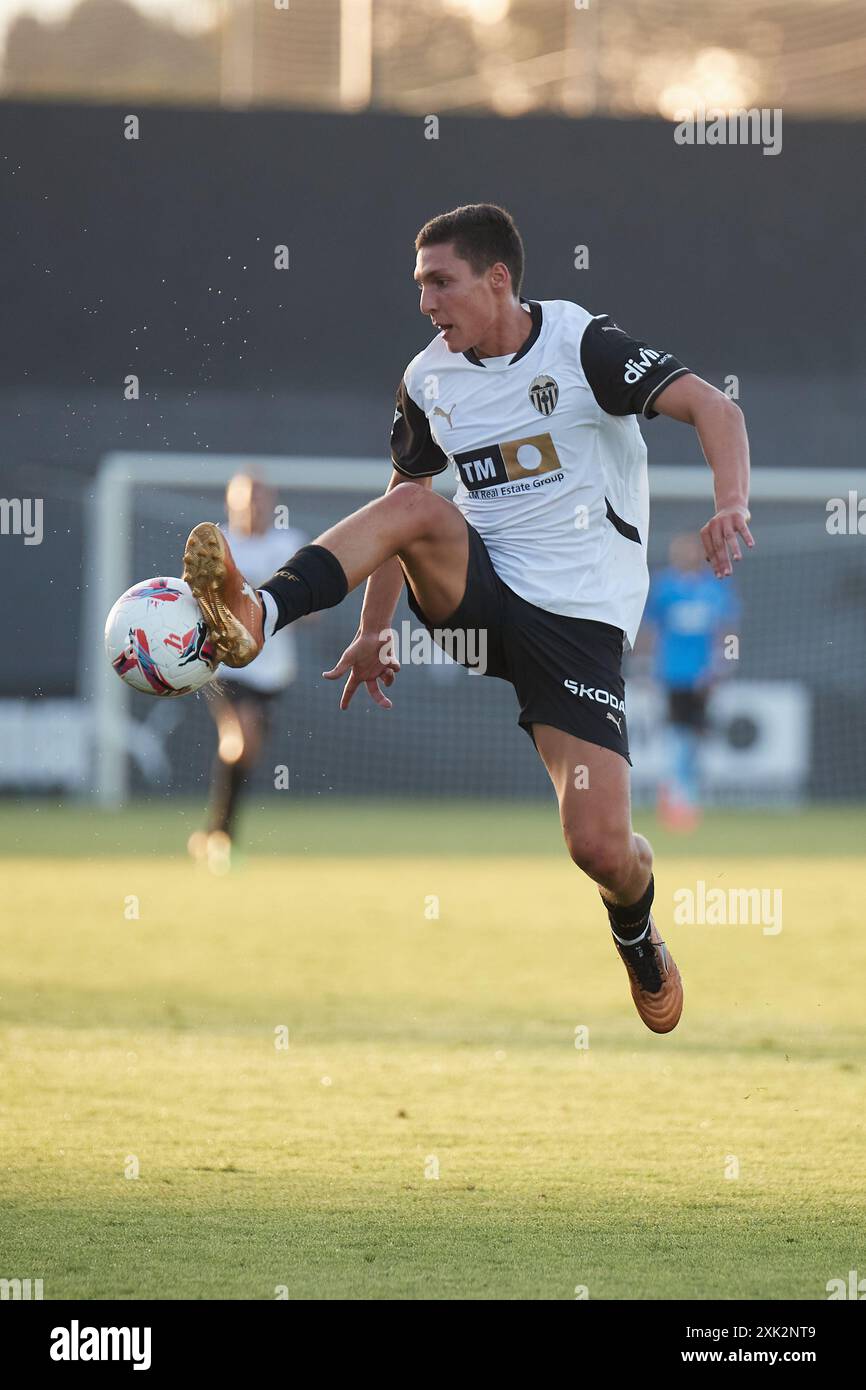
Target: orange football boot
point(232, 609)
point(656, 983)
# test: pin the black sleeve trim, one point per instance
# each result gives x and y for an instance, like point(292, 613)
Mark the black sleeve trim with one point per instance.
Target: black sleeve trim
point(679, 371)
point(624, 373)
point(432, 474)
point(414, 452)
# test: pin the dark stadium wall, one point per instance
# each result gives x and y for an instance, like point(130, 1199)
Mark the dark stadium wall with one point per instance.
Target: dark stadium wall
point(158, 252)
point(155, 257)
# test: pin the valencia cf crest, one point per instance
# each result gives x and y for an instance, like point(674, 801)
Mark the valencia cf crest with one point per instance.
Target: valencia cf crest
point(544, 393)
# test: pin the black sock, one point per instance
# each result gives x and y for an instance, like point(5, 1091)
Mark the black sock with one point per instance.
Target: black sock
point(313, 579)
point(226, 782)
point(630, 921)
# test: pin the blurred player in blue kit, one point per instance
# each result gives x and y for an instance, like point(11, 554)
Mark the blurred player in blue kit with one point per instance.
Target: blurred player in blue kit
point(689, 614)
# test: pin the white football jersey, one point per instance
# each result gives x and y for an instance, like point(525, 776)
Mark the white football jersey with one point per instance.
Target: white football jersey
point(548, 458)
point(258, 557)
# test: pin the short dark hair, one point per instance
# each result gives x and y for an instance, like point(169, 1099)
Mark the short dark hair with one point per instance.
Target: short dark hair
point(482, 233)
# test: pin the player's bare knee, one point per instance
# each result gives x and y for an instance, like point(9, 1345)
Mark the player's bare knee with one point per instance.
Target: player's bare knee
point(231, 744)
point(604, 859)
point(416, 509)
point(643, 849)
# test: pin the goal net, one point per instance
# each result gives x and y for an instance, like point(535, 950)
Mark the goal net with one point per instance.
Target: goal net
point(787, 719)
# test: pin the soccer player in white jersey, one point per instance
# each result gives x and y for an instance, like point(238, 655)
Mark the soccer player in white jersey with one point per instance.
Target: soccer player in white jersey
point(241, 707)
point(541, 556)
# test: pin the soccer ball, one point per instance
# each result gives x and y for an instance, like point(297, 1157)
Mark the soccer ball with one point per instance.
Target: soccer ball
point(157, 641)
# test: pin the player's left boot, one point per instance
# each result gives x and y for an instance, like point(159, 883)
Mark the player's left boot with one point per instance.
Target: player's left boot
point(656, 984)
point(232, 609)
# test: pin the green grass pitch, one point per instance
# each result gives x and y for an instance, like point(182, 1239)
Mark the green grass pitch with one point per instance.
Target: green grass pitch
point(430, 1130)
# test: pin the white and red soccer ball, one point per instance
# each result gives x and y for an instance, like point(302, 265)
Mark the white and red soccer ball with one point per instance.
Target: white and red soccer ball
point(157, 641)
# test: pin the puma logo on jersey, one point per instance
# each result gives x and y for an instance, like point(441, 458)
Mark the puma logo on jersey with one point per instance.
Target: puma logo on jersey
point(594, 692)
point(437, 410)
point(613, 719)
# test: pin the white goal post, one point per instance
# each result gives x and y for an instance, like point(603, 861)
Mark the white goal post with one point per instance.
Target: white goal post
point(110, 534)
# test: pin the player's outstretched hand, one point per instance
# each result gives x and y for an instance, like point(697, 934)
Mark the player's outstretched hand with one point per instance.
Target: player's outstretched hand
point(367, 660)
point(720, 541)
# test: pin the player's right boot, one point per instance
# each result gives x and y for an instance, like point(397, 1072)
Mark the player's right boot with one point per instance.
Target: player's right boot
point(232, 609)
point(656, 984)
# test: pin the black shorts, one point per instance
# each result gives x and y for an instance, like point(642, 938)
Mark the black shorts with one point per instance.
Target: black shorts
point(567, 672)
point(237, 694)
point(688, 708)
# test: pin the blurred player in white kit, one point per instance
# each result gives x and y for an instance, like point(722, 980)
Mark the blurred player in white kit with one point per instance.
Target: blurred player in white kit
point(241, 707)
